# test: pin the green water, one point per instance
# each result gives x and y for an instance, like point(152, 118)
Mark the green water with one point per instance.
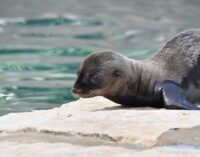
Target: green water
point(40, 78)
point(42, 43)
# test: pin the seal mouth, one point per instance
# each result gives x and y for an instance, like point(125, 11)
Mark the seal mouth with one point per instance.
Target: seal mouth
point(82, 93)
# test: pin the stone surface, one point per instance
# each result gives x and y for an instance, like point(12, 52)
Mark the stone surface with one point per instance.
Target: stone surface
point(10, 149)
point(99, 127)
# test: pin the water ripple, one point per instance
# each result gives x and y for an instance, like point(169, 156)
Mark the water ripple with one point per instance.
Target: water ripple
point(71, 67)
point(49, 21)
point(44, 51)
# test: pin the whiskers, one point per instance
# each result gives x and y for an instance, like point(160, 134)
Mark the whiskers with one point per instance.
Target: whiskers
point(88, 94)
point(91, 94)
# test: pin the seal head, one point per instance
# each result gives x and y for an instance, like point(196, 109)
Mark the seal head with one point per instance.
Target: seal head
point(102, 74)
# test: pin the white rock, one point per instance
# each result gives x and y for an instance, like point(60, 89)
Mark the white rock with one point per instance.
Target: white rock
point(99, 127)
point(10, 149)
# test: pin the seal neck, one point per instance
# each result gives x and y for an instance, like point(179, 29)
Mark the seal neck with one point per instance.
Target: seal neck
point(137, 86)
point(142, 78)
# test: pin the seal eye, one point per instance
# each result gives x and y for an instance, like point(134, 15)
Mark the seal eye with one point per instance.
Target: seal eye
point(116, 73)
point(95, 79)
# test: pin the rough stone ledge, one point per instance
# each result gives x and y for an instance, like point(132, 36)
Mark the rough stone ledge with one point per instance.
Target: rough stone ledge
point(98, 122)
point(184, 136)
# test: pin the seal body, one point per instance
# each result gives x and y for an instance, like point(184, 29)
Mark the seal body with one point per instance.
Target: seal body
point(170, 78)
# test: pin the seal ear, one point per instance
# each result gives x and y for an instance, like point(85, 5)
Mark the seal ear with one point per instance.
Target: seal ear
point(117, 73)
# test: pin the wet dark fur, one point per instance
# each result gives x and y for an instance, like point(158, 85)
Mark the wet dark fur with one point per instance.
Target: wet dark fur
point(132, 82)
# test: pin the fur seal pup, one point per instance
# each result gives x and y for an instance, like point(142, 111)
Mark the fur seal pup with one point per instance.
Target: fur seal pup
point(170, 78)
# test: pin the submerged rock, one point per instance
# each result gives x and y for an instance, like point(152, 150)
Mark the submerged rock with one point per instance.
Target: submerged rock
point(99, 127)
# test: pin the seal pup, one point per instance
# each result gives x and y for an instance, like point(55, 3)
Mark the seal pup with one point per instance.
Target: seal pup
point(169, 79)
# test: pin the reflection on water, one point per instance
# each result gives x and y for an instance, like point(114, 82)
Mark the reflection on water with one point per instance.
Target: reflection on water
point(43, 43)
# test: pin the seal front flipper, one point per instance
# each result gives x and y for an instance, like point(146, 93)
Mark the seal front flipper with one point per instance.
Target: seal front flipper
point(172, 97)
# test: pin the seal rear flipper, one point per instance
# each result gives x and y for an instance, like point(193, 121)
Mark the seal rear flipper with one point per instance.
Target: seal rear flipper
point(172, 97)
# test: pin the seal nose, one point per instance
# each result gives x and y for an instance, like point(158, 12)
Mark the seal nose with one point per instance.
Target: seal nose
point(76, 89)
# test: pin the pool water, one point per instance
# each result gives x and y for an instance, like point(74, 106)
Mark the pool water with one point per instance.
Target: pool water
point(38, 78)
point(43, 44)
